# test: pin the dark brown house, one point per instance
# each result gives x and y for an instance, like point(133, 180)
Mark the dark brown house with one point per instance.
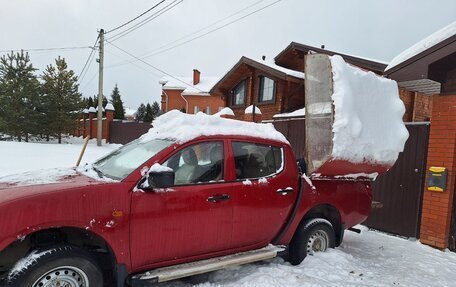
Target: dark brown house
point(273, 89)
point(277, 86)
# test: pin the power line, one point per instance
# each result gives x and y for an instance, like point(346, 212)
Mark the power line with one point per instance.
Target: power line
point(45, 49)
point(89, 59)
point(145, 21)
point(139, 16)
point(152, 66)
point(159, 50)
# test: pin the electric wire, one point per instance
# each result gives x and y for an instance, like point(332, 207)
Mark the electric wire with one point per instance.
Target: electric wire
point(145, 21)
point(137, 17)
point(45, 49)
point(152, 66)
point(89, 59)
point(157, 51)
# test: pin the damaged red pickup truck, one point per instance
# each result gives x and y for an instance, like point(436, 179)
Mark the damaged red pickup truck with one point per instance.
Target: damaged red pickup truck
point(234, 198)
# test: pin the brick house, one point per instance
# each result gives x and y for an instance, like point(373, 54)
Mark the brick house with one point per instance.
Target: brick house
point(274, 86)
point(426, 74)
point(190, 94)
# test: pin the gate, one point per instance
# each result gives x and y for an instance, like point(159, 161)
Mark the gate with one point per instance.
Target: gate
point(400, 190)
point(124, 132)
point(295, 132)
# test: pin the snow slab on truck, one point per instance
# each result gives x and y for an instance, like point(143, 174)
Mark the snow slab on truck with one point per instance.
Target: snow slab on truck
point(199, 192)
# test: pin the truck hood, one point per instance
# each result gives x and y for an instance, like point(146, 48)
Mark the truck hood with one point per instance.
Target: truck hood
point(28, 184)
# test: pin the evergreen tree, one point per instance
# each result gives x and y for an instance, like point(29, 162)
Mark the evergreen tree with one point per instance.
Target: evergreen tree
point(156, 109)
point(89, 103)
point(62, 100)
point(149, 115)
point(19, 96)
point(105, 102)
point(140, 112)
point(116, 101)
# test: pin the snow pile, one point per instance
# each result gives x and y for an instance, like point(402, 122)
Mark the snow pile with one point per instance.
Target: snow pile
point(249, 110)
point(368, 124)
point(181, 127)
point(423, 45)
point(109, 107)
point(225, 112)
point(43, 176)
point(158, 168)
point(297, 113)
point(367, 259)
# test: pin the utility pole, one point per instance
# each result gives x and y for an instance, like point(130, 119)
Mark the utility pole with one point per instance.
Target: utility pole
point(100, 90)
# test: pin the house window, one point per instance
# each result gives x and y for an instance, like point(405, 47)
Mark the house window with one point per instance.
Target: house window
point(208, 110)
point(238, 94)
point(196, 109)
point(267, 89)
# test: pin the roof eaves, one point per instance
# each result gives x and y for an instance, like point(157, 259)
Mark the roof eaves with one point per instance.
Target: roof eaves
point(423, 54)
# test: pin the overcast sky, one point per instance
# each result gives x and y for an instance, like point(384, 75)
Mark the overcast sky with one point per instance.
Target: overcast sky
point(373, 29)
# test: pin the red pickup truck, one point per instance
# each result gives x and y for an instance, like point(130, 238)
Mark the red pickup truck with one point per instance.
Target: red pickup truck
point(203, 204)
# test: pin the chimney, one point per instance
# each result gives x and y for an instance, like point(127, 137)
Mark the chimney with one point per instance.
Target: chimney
point(196, 76)
point(322, 46)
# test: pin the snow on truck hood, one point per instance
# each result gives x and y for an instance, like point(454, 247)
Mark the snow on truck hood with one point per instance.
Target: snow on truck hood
point(182, 127)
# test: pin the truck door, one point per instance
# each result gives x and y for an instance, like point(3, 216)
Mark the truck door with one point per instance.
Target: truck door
point(193, 218)
point(265, 191)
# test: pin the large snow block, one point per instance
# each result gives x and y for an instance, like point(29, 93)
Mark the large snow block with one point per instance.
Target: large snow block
point(354, 121)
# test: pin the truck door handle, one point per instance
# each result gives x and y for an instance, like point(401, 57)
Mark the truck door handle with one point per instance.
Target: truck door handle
point(218, 197)
point(284, 191)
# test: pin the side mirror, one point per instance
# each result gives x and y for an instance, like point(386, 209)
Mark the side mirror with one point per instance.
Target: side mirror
point(162, 179)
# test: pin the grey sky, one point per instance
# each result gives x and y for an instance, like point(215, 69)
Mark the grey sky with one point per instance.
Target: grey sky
point(373, 29)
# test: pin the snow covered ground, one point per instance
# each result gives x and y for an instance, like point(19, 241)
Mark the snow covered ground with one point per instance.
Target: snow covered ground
point(367, 259)
point(16, 157)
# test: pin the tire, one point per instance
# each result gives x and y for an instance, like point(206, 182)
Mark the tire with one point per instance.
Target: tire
point(313, 235)
point(72, 266)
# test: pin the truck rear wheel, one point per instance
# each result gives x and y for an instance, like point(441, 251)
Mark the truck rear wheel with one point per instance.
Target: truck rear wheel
point(314, 235)
point(65, 266)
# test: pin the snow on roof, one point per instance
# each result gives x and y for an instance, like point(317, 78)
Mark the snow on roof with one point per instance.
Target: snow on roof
point(92, 110)
point(109, 107)
point(225, 111)
point(130, 112)
point(186, 84)
point(249, 110)
point(368, 122)
point(182, 127)
point(426, 43)
point(273, 65)
point(85, 111)
point(297, 113)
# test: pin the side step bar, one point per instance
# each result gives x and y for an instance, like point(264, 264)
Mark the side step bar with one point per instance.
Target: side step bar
point(203, 266)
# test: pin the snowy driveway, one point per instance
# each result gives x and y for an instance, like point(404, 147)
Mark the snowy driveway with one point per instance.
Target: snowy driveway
point(367, 259)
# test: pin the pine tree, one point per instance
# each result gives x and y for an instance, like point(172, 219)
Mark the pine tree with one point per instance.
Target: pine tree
point(156, 109)
point(116, 101)
point(19, 96)
point(62, 100)
point(149, 115)
point(89, 102)
point(140, 112)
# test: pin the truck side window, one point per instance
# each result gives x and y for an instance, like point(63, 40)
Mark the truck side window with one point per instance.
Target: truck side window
point(198, 163)
point(256, 160)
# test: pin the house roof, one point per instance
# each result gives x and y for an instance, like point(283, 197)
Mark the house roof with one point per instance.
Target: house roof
point(426, 46)
point(264, 65)
point(186, 84)
point(295, 49)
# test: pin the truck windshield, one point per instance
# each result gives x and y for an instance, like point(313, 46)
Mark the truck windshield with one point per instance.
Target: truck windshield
point(123, 161)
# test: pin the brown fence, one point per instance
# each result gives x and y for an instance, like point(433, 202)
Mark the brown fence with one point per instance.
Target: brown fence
point(400, 190)
point(294, 130)
point(124, 132)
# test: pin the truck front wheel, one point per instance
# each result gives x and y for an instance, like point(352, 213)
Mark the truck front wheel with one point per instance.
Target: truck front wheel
point(313, 235)
point(65, 266)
